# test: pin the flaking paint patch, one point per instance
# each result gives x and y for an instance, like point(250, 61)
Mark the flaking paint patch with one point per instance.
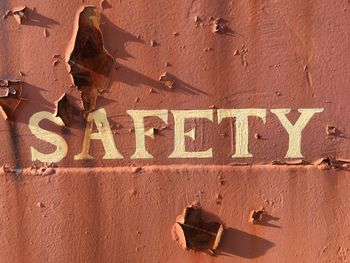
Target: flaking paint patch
point(191, 232)
point(89, 63)
point(10, 97)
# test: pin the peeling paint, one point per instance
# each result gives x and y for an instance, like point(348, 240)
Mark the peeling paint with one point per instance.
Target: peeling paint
point(191, 232)
point(256, 216)
point(165, 78)
point(19, 13)
point(89, 62)
point(10, 97)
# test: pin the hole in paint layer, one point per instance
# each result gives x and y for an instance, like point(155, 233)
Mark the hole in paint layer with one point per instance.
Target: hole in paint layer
point(89, 62)
point(191, 232)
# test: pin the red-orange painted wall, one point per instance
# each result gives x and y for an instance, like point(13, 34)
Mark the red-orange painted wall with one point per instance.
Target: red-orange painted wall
point(291, 54)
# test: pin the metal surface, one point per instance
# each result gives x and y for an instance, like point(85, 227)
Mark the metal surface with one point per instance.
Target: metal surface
point(202, 56)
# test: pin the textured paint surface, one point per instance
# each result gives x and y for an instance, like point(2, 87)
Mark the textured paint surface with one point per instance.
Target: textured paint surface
point(115, 215)
point(271, 55)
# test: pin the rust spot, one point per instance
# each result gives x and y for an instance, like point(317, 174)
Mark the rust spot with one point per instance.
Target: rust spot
point(256, 216)
point(166, 80)
point(89, 62)
point(191, 232)
point(10, 97)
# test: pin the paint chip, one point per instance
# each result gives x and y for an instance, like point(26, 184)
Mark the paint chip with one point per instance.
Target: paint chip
point(332, 130)
point(257, 136)
point(256, 216)
point(207, 49)
point(19, 14)
point(219, 26)
point(153, 43)
point(197, 20)
point(40, 205)
point(10, 97)
point(218, 198)
point(7, 14)
point(165, 79)
point(191, 232)
point(55, 62)
point(136, 170)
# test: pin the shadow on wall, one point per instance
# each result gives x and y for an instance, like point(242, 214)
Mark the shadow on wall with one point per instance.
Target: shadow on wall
point(116, 41)
point(242, 244)
point(33, 18)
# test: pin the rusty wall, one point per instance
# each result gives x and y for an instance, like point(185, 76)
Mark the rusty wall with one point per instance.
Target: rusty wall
point(69, 60)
